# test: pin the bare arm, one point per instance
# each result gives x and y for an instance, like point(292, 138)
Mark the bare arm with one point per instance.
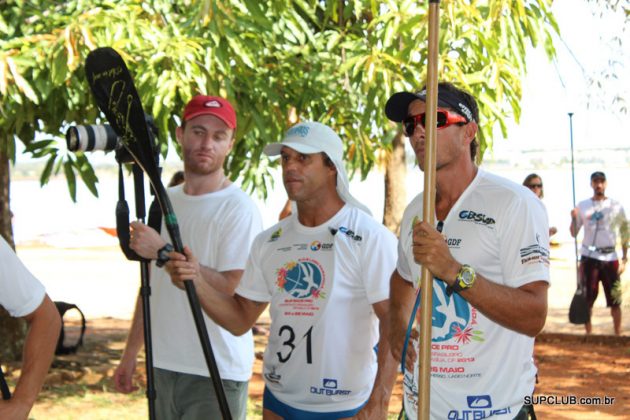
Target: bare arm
point(224, 281)
point(623, 234)
point(123, 376)
point(39, 348)
point(378, 402)
point(527, 309)
point(431, 251)
point(231, 311)
point(574, 228)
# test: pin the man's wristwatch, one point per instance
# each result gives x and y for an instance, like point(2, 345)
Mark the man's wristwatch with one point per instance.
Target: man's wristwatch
point(163, 254)
point(464, 280)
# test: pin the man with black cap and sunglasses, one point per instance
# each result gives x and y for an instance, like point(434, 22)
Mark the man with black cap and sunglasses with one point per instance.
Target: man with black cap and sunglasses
point(602, 217)
point(324, 272)
point(489, 258)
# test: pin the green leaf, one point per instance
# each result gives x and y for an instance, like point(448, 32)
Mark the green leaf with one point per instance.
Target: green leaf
point(70, 179)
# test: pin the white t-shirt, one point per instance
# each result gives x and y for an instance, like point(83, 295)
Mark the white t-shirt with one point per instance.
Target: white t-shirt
point(20, 292)
point(601, 220)
point(479, 368)
point(219, 228)
point(321, 282)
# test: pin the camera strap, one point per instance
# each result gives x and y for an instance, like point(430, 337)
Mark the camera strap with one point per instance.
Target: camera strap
point(63, 307)
point(122, 220)
point(122, 215)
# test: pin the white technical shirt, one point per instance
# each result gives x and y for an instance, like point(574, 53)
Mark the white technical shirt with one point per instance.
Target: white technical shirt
point(479, 368)
point(321, 283)
point(219, 228)
point(601, 220)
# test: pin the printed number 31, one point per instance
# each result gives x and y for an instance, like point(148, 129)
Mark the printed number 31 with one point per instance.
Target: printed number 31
point(289, 343)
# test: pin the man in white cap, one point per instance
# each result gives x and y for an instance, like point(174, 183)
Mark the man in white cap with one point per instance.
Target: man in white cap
point(325, 272)
point(219, 222)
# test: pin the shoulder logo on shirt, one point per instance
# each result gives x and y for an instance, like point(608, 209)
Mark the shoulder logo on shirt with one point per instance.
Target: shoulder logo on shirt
point(478, 218)
point(535, 253)
point(350, 233)
point(275, 236)
point(302, 278)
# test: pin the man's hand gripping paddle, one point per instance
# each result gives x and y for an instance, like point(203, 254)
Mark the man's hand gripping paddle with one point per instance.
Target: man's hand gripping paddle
point(116, 96)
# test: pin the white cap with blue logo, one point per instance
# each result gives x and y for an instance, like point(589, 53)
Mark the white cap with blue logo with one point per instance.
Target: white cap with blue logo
point(312, 137)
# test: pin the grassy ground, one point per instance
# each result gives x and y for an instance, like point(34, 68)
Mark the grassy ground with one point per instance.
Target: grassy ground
point(79, 386)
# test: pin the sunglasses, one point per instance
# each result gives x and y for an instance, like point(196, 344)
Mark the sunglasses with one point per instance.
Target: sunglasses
point(534, 186)
point(444, 119)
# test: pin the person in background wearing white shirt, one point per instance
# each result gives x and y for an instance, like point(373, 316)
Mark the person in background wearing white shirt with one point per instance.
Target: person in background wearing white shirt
point(535, 184)
point(602, 218)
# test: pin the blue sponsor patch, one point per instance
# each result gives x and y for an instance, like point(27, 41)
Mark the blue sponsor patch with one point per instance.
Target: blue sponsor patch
point(479, 401)
point(329, 383)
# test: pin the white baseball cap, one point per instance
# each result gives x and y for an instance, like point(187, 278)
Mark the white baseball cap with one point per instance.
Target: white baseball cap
point(312, 137)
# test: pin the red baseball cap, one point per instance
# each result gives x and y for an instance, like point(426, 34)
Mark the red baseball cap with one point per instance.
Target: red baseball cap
point(211, 105)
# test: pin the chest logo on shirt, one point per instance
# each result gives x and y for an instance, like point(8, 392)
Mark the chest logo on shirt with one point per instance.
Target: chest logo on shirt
point(302, 279)
point(452, 317)
point(478, 218)
point(316, 246)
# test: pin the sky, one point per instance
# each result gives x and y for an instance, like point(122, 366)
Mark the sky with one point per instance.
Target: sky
point(551, 91)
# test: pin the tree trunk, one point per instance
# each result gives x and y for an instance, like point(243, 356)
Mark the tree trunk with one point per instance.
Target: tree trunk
point(12, 330)
point(395, 191)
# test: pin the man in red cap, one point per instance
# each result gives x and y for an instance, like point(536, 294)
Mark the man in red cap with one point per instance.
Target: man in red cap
point(218, 221)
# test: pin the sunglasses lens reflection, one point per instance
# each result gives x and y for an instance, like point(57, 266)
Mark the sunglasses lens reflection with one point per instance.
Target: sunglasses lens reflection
point(409, 124)
point(442, 118)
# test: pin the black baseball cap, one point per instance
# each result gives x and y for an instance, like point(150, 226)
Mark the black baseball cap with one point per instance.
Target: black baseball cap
point(598, 175)
point(449, 96)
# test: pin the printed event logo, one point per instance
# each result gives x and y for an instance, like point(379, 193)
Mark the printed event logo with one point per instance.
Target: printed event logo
point(452, 317)
point(302, 279)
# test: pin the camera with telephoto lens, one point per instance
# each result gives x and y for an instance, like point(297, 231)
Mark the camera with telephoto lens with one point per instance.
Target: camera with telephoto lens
point(91, 138)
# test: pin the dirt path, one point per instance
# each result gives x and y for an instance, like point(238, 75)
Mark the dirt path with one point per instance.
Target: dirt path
point(570, 366)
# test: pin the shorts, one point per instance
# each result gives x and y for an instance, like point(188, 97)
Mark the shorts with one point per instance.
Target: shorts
point(592, 271)
point(287, 412)
point(190, 397)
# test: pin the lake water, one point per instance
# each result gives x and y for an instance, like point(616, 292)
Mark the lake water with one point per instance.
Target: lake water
point(48, 213)
point(61, 243)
